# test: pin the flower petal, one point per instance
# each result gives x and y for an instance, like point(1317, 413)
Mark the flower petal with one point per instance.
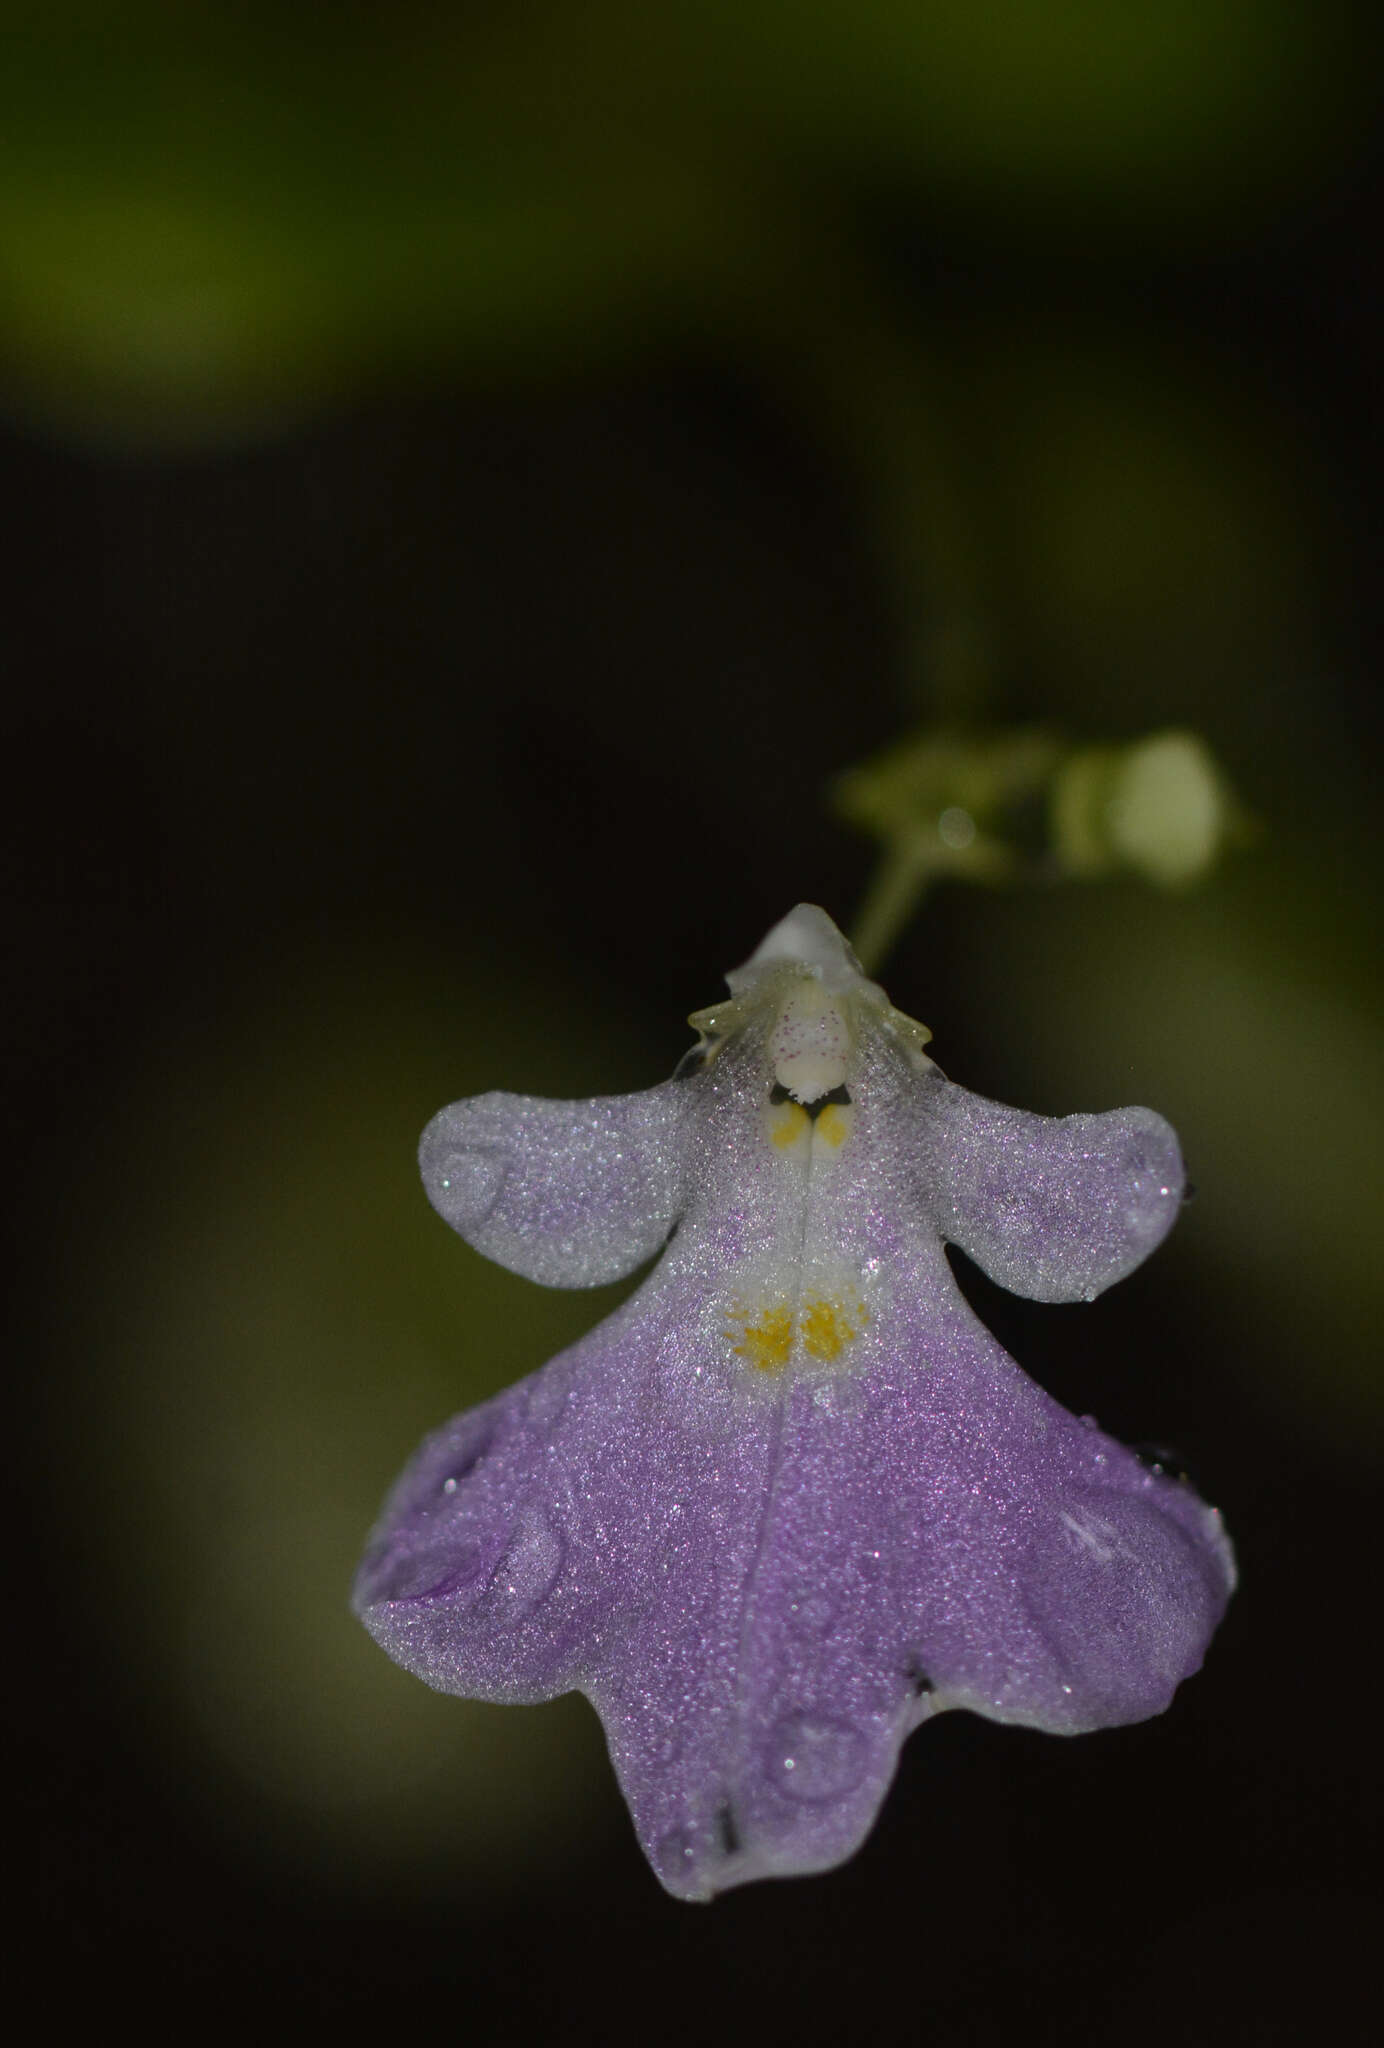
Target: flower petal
point(533, 1544)
point(569, 1193)
point(793, 1498)
point(763, 1596)
point(1056, 1208)
point(1012, 1558)
point(937, 1534)
point(465, 1553)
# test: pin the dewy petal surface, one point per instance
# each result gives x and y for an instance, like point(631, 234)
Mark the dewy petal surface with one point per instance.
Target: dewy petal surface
point(793, 1498)
point(569, 1193)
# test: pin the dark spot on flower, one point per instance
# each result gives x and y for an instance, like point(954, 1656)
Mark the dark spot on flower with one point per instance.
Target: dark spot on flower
point(918, 1679)
point(1188, 1192)
point(727, 1833)
point(840, 1096)
point(1163, 1459)
point(701, 1055)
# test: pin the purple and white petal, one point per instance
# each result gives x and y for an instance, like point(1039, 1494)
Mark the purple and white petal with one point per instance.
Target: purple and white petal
point(529, 1547)
point(1056, 1208)
point(572, 1194)
point(793, 1499)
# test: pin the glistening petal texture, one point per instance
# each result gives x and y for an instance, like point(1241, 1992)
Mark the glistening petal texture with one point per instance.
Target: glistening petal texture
point(569, 1193)
point(1032, 1571)
point(793, 1499)
point(555, 1535)
point(1055, 1208)
point(763, 1600)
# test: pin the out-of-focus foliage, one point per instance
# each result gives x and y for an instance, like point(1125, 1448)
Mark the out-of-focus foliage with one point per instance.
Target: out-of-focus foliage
point(966, 804)
point(915, 790)
point(1245, 1010)
point(215, 215)
point(275, 1318)
point(1023, 805)
point(1161, 807)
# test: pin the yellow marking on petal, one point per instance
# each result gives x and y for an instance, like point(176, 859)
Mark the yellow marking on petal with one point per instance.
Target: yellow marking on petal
point(766, 1337)
point(787, 1122)
point(767, 1342)
point(834, 1123)
point(829, 1326)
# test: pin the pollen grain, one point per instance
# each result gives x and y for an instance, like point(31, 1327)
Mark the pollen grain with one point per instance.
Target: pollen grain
point(767, 1342)
point(827, 1326)
point(766, 1337)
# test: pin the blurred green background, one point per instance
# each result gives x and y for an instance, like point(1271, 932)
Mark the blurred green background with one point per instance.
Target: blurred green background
point(477, 477)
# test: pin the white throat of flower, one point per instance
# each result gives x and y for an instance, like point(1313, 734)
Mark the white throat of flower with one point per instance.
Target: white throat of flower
point(808, 991)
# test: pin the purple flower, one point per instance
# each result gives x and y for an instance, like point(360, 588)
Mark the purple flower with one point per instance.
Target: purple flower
point(793, 1499)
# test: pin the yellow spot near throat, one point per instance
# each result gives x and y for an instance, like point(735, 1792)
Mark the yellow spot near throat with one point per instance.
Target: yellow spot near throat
point(823, 1326)
point(767, 1342)
point(789, 1121)
point(827, 1327)
point(834, 1124)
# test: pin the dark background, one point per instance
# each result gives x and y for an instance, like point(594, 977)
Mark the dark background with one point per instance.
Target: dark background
point(472, 486)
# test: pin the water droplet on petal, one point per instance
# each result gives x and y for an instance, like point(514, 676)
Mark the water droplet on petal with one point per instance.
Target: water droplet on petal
point(460, 1462)
point(423, 1575)
point(675, 1857)
point(529, 1568)
point(1162, 1461)
point(814, 1756)
point(465, 1185)
point(418, 1579)
point(812, 1613)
